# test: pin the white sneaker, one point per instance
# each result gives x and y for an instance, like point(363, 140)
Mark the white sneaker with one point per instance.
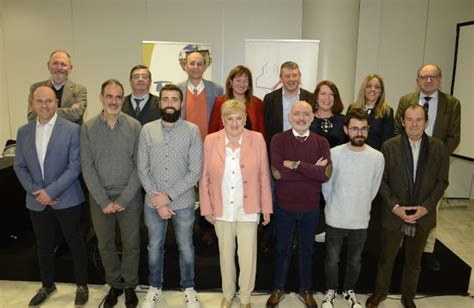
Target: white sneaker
point(151, 298)
point(328, 300)
point(320, 238)
point(190, 298)
point(351, 298)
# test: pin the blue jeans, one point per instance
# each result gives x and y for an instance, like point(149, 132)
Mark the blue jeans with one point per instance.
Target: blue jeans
point(183, 223)
point(285, 223)
point(355, 240)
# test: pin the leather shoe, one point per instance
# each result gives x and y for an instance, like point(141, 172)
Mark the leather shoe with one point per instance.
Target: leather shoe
point(375, 299)
point(42, 295)
point(430, 262)
point(306, 297)
point(131, 299)
point(82, 296)
point(112, 296)
point(407, 302)
point(275, 298)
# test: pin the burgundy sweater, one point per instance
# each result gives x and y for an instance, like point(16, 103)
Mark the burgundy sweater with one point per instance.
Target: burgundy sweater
point(298, 190)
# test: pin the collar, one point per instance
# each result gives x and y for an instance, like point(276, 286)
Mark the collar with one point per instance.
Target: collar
point(433, 96)
point(226, 140)
point(295, 133)
point(105, 120)
point(199, 87)
point(51, 122)
point(57, 86)
point(144, 98)
point(284, 93)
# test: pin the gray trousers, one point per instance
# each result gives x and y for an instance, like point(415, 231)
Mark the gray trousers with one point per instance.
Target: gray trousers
point(119, 272)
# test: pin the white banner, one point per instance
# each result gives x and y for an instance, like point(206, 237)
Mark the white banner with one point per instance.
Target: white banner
point(264, 57)
point(163, 60)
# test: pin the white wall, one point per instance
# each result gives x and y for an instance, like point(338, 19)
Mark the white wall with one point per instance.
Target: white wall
point(104, 39)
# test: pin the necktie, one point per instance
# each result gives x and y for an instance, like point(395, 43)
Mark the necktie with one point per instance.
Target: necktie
point(426, 105)
point(137, 108)
point(195, 91)
point(301, 138)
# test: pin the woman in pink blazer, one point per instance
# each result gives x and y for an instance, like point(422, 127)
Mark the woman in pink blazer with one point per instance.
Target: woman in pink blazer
point(234, 190)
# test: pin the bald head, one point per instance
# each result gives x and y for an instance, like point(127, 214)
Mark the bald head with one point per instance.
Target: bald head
point(301, 116)
point(44, 103)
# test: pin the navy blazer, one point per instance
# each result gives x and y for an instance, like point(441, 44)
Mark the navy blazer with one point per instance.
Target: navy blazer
point(62, 165)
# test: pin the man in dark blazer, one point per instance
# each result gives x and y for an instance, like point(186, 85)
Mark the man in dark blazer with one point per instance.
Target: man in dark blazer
point(414, 180)
point(72, 97)
point(277, 104)
point(444, 113)
point(47, 164)
point(141, 104)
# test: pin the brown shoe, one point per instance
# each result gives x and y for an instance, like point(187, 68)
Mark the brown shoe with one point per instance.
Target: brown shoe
point(306, 297)
point(276, 297)
point(375, 299)
point(225, 303)
point(407, 302)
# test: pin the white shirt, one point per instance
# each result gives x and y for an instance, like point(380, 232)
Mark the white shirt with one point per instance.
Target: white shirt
point(143, 101)
point(57, 87)
point(415, 151)
point(199, 87)
point(305, 135)
point(433, 103)
point(42, 136)
point(233, 189)
point(287, 102)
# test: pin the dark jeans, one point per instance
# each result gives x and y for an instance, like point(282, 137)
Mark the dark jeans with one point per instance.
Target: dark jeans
point(285, 223)
point(390, 244)
point(44, 225)
point(355, 240)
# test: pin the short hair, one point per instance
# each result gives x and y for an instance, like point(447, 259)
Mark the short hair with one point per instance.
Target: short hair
point(62, 51)
point(109, 82)
point(425, 65)
point(289, 65)
point(172, 87)
point(338, 106)
point(140, 66)
point(235, 72)
point(415, 106)
point(356, 113)
point(381, 107)
point(233, 106)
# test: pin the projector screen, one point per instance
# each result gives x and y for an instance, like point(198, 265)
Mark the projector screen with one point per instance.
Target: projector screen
point(462, 87)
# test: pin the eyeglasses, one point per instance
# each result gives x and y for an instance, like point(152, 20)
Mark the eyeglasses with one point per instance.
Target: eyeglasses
point(426, 77)
point(357, 130)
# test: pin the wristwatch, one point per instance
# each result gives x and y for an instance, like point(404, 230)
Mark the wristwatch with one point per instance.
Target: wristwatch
point(294, 165)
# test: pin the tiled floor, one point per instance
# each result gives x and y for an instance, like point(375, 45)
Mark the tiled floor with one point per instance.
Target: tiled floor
point(455, 230)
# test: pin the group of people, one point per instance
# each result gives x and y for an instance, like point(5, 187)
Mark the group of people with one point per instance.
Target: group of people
point(285, 161)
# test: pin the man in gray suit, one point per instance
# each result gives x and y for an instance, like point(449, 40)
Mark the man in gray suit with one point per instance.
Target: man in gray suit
point(141, 104)
point(414, 179)
point(72, 97)
point(198, 94)
point(48, 166)
point(444, 112)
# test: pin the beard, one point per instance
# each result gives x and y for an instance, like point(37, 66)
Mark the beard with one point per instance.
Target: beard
point(358, 141)
point(170, 117)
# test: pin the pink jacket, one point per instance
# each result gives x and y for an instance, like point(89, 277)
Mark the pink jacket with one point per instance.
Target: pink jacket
point(254, 168)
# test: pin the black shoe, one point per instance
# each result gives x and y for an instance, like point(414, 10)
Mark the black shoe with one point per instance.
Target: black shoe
point(42, 295)
point(82, 296)
point(131, 300)
point(430, 262)
point(112, 296)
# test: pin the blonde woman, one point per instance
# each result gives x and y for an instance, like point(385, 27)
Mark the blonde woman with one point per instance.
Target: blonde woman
point(371, 98)
point(234, 190)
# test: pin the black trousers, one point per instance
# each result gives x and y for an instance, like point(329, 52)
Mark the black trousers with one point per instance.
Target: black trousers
point(44, 226)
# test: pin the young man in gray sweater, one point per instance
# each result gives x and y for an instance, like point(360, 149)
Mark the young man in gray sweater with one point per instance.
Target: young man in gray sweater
point(355, 181)
point(109, 145)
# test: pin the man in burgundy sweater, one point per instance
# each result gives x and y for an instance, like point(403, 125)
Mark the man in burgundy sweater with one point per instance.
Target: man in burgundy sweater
point(300, 163)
